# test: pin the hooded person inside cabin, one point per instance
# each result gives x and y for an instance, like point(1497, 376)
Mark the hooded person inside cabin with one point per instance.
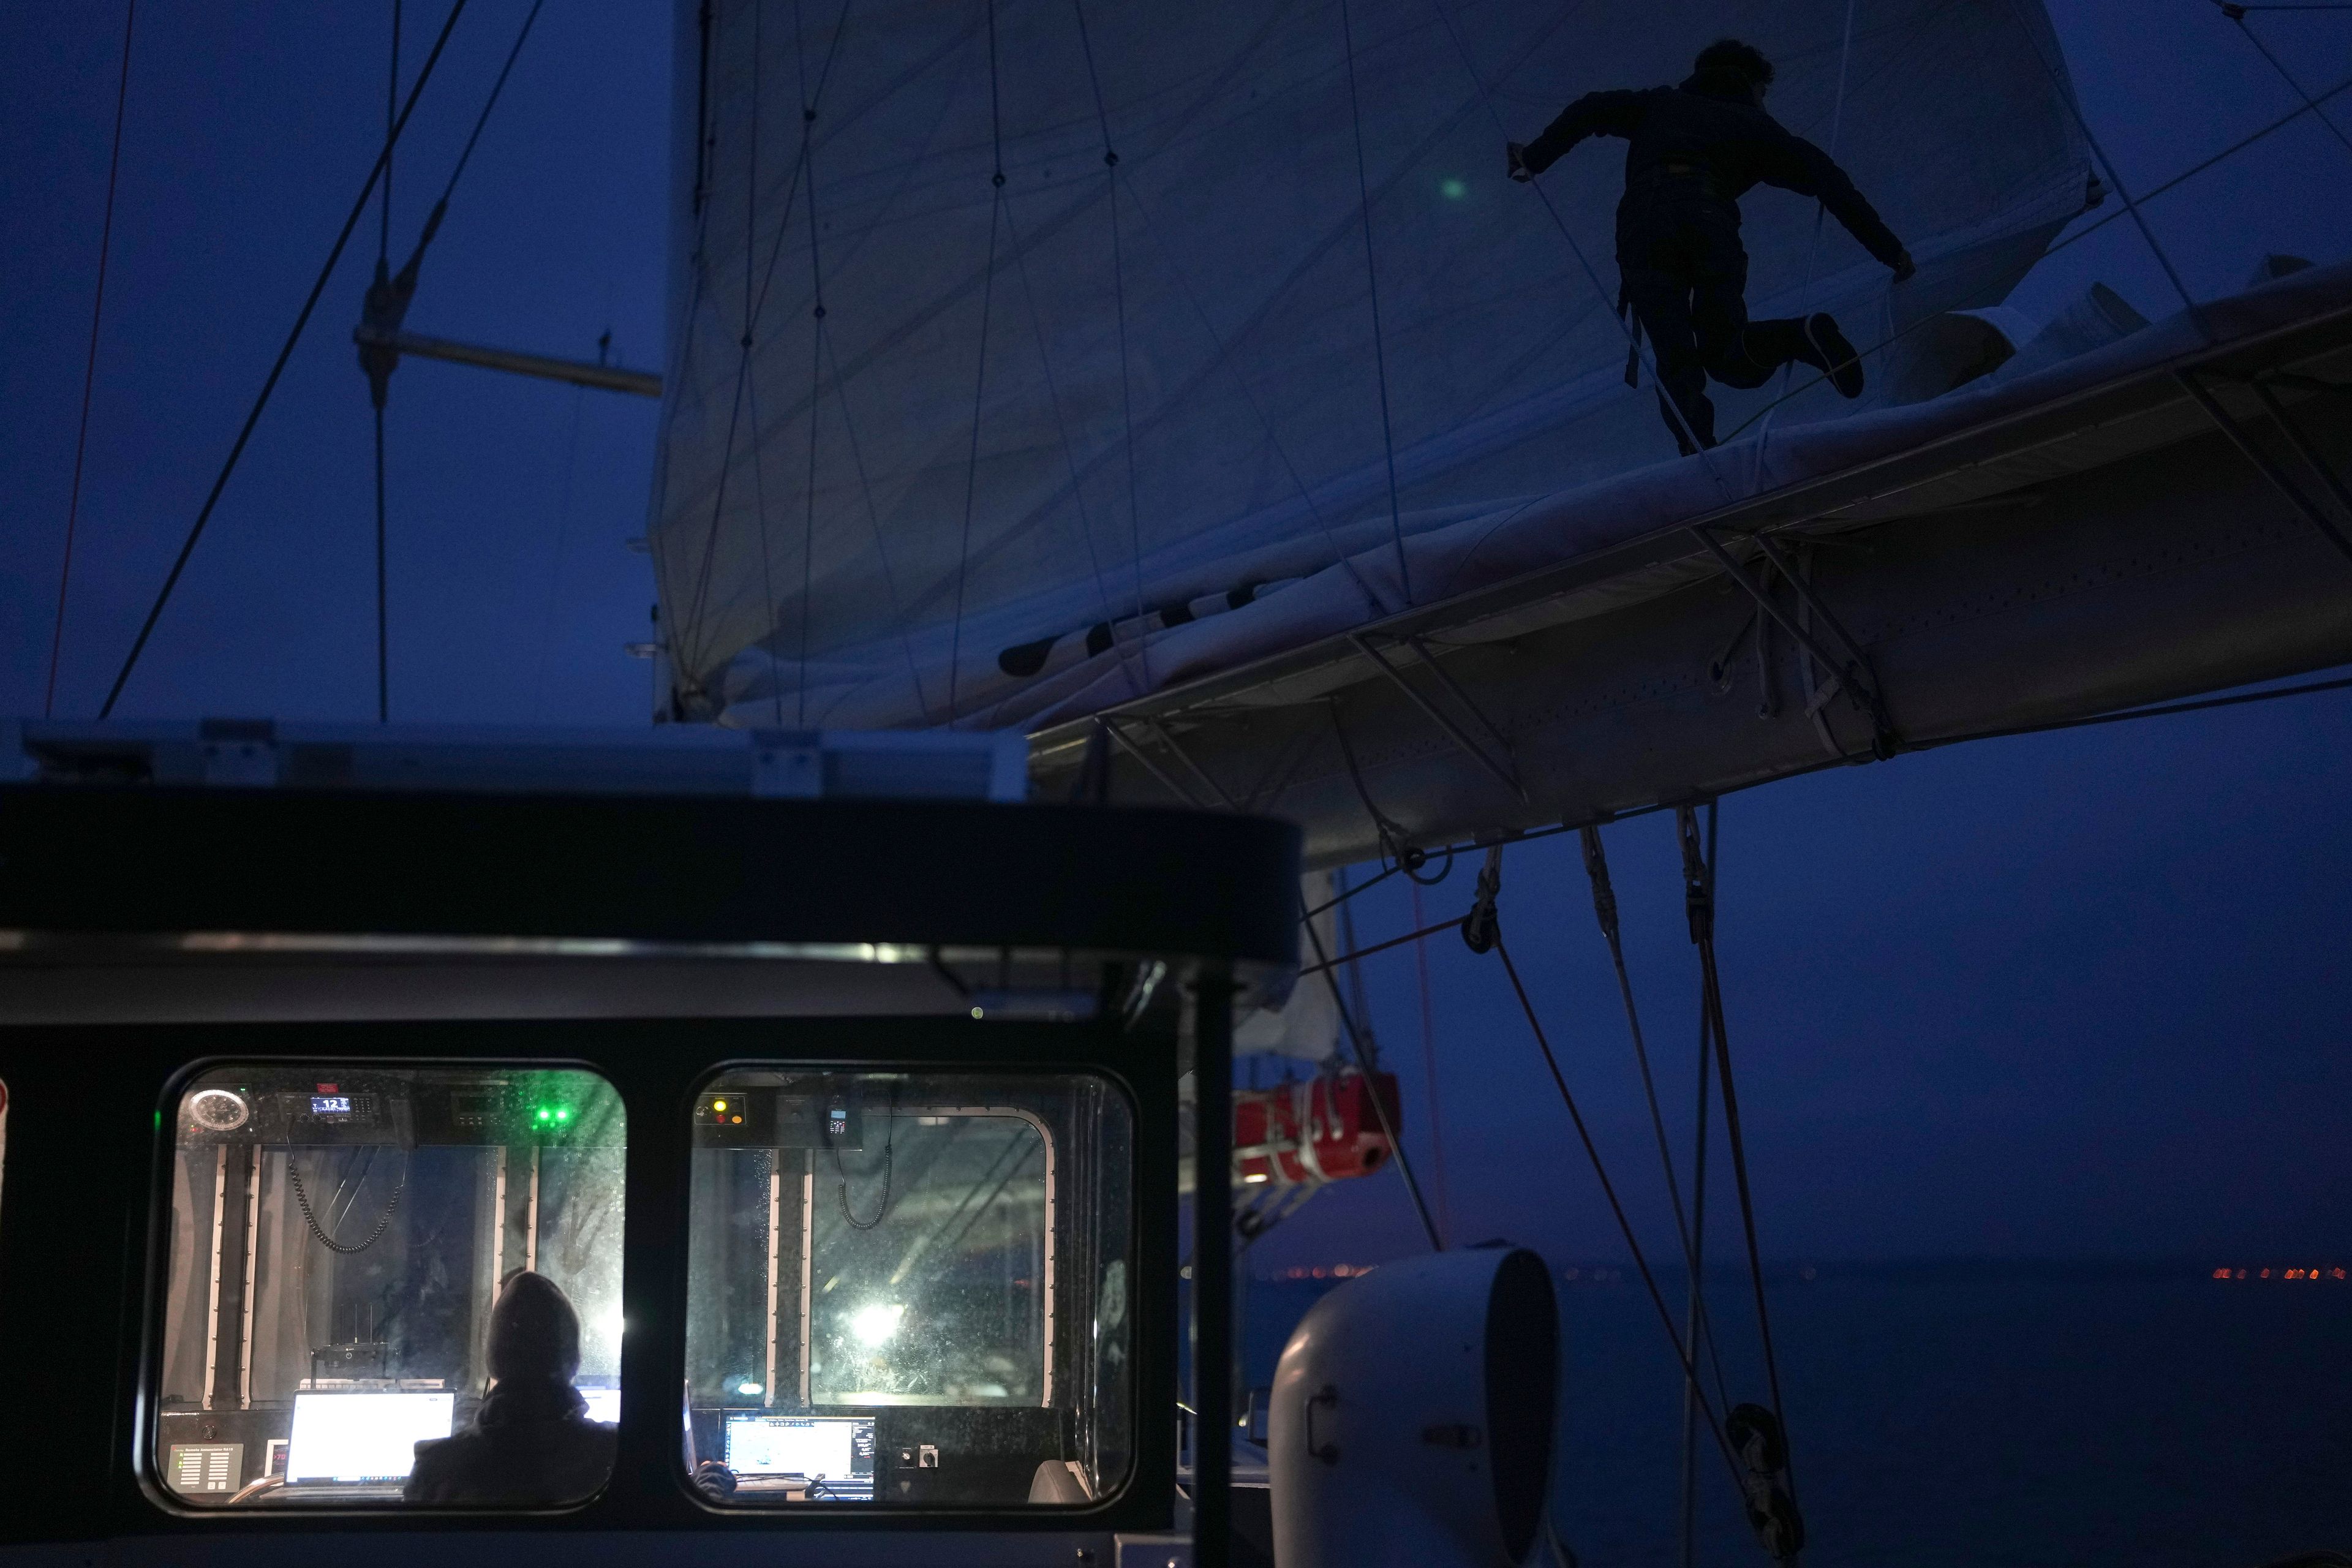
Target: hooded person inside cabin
point(531, 1441)
point(1694, 150)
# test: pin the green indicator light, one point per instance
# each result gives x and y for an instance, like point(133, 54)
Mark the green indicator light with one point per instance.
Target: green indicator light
point(544, 1115)
point(563, 1116)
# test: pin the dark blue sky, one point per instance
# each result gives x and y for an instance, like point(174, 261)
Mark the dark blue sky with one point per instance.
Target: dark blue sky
point(2061, 995)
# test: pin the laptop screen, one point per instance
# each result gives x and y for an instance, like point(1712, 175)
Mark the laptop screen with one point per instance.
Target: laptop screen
point(820, 1447)
point(364, 1437)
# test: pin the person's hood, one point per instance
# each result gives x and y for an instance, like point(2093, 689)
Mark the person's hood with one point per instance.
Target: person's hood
point(534, 1333)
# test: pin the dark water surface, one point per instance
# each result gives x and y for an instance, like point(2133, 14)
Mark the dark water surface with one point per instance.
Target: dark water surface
point(1964, 1413)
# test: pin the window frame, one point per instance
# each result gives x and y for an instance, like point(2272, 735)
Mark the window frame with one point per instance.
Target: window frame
point(655, 1067)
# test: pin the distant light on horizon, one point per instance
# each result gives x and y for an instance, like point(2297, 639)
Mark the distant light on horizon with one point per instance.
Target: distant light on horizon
point(2226, 1272)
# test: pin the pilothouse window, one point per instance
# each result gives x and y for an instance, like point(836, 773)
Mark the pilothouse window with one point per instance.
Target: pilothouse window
point(392, 1286)
point(909, 1289)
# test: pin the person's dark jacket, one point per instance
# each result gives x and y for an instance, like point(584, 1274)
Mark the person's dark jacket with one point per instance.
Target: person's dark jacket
point(530, 1444)
point(1710, 136)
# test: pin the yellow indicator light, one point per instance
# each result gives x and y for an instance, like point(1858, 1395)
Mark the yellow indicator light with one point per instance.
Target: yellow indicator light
point(718, 1105)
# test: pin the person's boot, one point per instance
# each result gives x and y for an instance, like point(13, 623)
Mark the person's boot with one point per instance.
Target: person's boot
point(1827, 351)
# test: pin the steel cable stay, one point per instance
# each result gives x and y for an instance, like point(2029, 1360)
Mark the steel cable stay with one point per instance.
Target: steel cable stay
point(1429, 1072)
point(980, 374)
point(278, 369)
point(1118, 311)
point(1696, 1295)
point(386, 306)
point(2238, 14)
point(1609, 1192)
point(1604, 910)
point(1765, 1515)
point(89, 364)
point(379, 386)
point(2115, 178)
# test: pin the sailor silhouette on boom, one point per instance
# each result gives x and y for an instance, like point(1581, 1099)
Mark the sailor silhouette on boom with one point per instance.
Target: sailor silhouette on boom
point(1695, 150)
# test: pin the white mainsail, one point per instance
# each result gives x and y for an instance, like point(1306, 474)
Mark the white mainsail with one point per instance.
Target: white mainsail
point(940, 450)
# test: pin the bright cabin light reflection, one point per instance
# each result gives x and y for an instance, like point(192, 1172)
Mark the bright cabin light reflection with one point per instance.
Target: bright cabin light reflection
point(876, 1324)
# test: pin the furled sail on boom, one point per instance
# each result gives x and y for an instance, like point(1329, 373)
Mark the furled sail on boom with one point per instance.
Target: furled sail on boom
point(1009, 338)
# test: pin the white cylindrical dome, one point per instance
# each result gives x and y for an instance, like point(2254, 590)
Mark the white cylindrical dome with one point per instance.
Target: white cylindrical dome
point(1412, 1414)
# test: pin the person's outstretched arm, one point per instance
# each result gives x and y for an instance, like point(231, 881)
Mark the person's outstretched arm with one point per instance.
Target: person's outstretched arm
point(1809, 172)
point(1613, 113)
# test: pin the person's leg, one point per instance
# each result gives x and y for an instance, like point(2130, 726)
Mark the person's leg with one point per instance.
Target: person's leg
point(1662, 304)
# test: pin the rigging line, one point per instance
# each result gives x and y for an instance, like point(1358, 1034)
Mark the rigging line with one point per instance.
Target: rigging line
point(383, 620)
point(89, 364)
point(1702, 897)
point(1062, 426)
point(1356, 1043)
point(767, 574)
point(1346, 934)
point(809, 104)
point(1604, 910)
point(1118, 299)
point(1608, 1190)
point(1632, 341)
point(1257, 409)
point(1812, 246)
point(2239, 16)
point(483, 118)
point(391, 108)
point(1350, 957)
point(2083, 233)
point(1694, 1308)
point(816, 364)
point(694, 620)
point(1429, 1072)
point(1372, 284)
point(1334, 902)
point(980, 375)
point(2131, 202)
point(873, 521)
point(277, 370)
point(383, 280)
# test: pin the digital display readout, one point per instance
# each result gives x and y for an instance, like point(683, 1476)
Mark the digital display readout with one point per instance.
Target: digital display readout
point(330, 1105)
